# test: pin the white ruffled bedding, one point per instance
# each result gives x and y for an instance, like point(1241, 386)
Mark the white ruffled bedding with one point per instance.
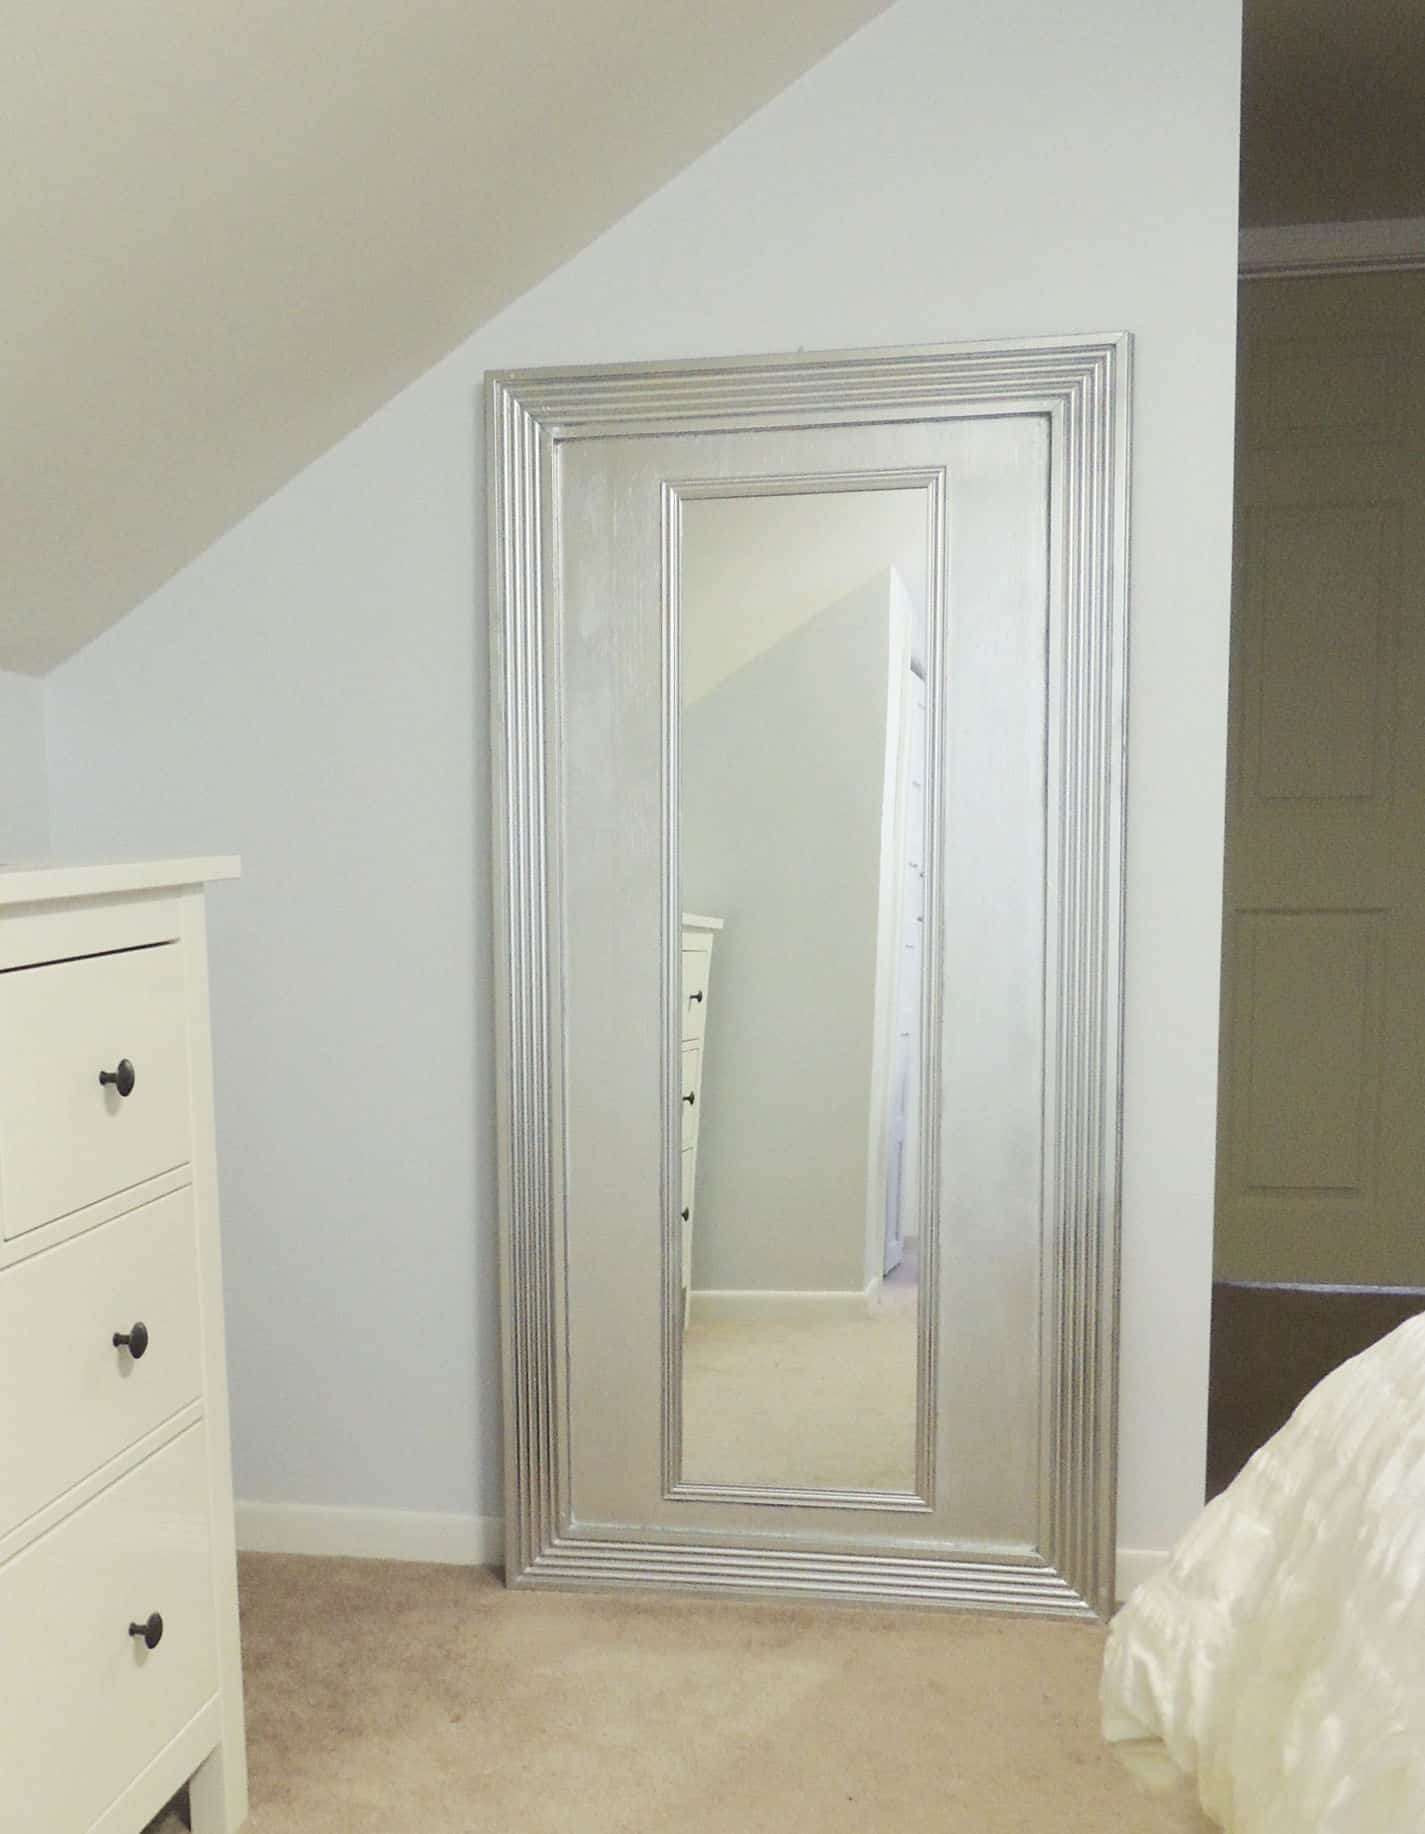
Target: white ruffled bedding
point(1280, 1655)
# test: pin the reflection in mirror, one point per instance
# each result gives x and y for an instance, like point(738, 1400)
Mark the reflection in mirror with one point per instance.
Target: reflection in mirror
point(802, 841)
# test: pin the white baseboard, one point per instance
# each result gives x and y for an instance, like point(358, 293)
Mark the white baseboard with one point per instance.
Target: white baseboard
point(475, 1541)
point(370, 1534)
point(715, 1305)
point(1134, 1565)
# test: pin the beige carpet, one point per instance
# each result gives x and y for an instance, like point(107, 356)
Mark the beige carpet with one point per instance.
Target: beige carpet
point(822, 1405)
point(390, 1699)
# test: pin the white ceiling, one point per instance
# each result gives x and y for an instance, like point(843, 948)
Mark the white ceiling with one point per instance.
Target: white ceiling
point(233, 228)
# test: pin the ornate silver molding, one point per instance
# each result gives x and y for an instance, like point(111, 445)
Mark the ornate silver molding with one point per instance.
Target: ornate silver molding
point(1081, 386)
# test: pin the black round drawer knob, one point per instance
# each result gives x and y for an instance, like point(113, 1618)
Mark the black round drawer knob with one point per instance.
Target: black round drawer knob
point(695, 996)
point(134, 1340)
point(686, 1215)
point(151, 1630)
point(690, 1097)
point(123, 1078)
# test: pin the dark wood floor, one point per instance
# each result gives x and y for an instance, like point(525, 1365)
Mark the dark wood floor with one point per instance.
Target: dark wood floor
point(1272, 1344)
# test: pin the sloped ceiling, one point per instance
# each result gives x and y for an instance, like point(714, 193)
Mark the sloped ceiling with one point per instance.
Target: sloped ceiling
point(233, 228)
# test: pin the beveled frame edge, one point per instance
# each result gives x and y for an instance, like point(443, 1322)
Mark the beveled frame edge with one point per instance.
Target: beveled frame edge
point(1084, 385)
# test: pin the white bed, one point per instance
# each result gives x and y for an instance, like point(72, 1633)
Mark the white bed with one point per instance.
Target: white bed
point(1280, 1656)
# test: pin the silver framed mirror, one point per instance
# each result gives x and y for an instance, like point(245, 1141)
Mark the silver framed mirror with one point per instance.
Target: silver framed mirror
point(809, 684)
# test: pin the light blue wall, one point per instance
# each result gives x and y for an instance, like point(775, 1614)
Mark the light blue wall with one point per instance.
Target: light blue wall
point(24, 797)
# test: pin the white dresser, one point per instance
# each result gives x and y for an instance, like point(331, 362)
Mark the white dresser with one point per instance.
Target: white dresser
point(698, 935)
point(119, 1666)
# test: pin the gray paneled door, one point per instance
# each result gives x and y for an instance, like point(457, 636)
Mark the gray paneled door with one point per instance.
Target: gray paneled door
point(1321, 1163)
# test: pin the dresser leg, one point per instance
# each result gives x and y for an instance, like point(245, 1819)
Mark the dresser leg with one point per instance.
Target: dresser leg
point(217, 1796)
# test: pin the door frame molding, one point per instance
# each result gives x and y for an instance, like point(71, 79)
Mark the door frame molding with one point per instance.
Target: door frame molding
point(1288, 250)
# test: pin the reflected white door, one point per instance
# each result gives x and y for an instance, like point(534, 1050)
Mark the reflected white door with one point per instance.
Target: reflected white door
point(904, 1119)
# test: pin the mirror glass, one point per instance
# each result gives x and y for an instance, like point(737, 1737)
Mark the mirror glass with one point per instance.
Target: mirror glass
point(802, 840)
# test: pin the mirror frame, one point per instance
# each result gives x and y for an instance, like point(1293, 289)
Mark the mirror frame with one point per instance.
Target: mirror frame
point(1081, 387)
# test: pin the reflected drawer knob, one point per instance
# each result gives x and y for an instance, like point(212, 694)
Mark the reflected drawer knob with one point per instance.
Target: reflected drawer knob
point(134, 1340)
point(151, 1630)
point(122, 1078)
point(690, 1097)
point(686, 1215)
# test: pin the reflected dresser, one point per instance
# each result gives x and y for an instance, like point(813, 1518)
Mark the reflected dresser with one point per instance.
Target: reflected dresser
point(698, 936)
point(120, 1679)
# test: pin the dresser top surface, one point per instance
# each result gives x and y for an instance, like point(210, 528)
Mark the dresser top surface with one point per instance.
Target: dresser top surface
point(50, 882)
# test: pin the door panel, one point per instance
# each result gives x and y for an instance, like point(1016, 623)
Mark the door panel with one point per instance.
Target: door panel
point(1320, 604)
point(1321, 1163)
point(1309, 1043)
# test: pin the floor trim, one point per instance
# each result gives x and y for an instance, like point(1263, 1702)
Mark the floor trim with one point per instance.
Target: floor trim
point(369, 1534)
point(445, 1540)
point(713, 1305)
point(1135, 1564)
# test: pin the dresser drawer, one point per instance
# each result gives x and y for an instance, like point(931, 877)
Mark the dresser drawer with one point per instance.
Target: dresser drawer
point(66, 1140)
point(696, 966)
point(84, 1706)
point(691, 1091)
point(85, 1398)
point(686, 1213)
